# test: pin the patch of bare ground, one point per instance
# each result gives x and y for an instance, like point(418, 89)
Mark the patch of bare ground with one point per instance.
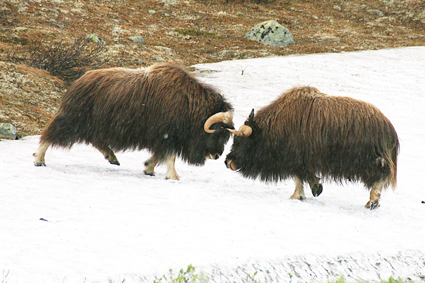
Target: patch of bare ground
point(188, 31)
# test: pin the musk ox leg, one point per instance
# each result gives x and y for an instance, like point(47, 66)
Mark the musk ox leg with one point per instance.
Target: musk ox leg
point(315, 186)
point(299, 189)
point(150, 165)
point(40, 153)
point(107, 153)
point(171, 170)
point(375, 195)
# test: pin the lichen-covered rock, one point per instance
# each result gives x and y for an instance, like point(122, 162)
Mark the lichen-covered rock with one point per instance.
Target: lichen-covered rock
point(7, 131)
point(271, 33)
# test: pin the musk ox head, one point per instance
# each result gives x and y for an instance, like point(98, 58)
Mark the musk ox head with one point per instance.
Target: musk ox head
point(217, 128)
point(244, 149)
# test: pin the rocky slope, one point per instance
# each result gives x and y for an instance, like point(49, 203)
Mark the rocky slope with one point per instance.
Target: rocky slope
point(188, 31)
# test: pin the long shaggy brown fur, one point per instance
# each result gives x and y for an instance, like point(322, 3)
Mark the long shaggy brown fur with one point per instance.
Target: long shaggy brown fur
point(306, 133)
point(162, 108)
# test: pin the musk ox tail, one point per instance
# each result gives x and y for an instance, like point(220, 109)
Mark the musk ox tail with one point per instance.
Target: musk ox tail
point(388, 165)
point(392, 161)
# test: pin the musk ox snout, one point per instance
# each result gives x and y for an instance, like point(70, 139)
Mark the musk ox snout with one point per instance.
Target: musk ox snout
point(230, 164)
point(213, 156)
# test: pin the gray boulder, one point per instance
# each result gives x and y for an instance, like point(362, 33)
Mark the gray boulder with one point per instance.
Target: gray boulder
point(271, 33)
point(7, 131)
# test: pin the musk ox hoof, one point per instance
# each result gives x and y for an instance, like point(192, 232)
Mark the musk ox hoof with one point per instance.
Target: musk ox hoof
point(298, 197)
point(39, 164)
point(149, 173)
point(317, 189)
point(169, 178)
point(112, 159)
point(373, 205)
point(172, 177)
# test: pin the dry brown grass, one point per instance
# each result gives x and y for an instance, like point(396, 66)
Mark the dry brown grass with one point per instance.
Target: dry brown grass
point(199, 31)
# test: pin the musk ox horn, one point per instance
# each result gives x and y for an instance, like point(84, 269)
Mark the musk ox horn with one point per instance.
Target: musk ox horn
point(244, 131)
point(225, 117)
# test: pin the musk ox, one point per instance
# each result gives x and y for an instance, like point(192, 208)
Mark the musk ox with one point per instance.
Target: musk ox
point(162, 108)
point(306, 133)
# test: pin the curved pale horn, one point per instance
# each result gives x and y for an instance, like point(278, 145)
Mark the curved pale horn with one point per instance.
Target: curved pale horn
point(244, 131)
point(225, 117)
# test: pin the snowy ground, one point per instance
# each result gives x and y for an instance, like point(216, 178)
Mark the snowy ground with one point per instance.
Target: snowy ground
point(82, 220)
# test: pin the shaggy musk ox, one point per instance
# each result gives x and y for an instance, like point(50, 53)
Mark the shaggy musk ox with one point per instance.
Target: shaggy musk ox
point(162, 108)
point(306, 133)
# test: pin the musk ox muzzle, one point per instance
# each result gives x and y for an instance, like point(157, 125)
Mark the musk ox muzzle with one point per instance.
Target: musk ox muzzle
point(213, 156)
point(230, 164)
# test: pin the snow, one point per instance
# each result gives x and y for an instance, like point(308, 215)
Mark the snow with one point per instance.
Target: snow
point(81, 219)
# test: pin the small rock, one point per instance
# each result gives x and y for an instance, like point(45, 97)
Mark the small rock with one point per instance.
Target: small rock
point(7, 131)
point(20, 29)
point(137, 39)
point(376, 12)
point(50, 10)
point(152, 12)
point(338, 8)
point(159, 59)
